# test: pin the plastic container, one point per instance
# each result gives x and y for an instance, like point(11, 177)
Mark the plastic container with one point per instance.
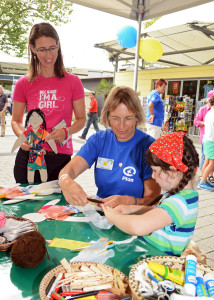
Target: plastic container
point(201, 290)
point(182, 297)
point(190, 275)
point(209, 281)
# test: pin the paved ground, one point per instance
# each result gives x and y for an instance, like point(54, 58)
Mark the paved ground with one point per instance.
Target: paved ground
point(204, 231)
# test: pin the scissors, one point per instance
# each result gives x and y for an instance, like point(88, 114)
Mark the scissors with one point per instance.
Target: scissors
point(95, 200)
point(102, 242)
point(107, 242)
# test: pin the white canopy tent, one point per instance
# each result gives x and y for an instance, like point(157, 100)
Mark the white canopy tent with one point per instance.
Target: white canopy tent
point(139, 10)
point(12, 65)
point(87, 91)
point(188, 44)
point(130, 8)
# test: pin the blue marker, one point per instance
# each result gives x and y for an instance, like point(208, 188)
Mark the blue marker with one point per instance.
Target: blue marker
point(201, 290)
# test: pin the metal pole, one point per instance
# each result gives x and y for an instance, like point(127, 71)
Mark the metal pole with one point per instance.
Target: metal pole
point(140, 11)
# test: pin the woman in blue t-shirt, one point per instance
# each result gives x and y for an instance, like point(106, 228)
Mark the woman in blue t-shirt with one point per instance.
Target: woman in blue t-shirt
point(121, 173)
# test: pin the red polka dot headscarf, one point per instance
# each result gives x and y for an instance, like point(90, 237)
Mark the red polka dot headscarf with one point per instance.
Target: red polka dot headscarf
point(169, 148)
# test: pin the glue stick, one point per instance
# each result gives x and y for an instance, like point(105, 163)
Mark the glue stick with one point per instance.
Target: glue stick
point(209, 281)
point(190, 275)
point(174, 275)
point(201, 289)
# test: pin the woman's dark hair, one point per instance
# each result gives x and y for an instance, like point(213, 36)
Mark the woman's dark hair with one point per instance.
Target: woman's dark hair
point(190, 159)
point(39, 112)
point(37, 31)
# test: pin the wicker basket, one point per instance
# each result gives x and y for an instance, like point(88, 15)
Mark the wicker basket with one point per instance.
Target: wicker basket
point(8, 246)
point(170, 261)
point(54, 272)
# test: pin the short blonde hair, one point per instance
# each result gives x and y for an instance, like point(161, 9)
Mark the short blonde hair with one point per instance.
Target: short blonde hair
point(127, 96)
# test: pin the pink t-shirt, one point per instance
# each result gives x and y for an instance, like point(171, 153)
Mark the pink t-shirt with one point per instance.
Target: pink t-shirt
point(54, 96)
point(200, 117)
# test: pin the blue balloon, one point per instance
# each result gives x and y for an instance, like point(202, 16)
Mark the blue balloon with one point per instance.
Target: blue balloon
point(127, 37)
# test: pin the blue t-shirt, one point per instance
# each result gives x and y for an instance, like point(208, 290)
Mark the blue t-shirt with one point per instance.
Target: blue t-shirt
point(154, 97)
point(207, 88)
point(120, 167)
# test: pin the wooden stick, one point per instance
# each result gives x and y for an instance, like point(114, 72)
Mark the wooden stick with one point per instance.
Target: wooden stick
point(66, 265)
point(97, 287)
point(85, 268)
point(104, 269)
point(95, 269)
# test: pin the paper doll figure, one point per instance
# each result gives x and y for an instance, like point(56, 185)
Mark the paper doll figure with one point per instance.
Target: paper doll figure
point(36, 135)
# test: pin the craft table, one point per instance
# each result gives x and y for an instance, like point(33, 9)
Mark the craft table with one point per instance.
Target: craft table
point(18, 283)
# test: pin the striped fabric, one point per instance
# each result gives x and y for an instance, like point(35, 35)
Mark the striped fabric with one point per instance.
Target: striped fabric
point(174, 238)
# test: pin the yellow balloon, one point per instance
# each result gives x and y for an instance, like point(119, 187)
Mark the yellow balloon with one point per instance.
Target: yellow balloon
point(150, 49)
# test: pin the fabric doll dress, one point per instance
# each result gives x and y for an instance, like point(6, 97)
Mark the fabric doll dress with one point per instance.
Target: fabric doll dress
point(36, 154)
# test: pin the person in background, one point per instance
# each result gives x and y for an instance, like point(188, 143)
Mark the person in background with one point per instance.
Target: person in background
point(3, 108)
point(92, 116)
point(208, 145)
point(199, 122)
point(169, 226)
point(155, 109)
point(208, 87)
point(118, 154)
point(9, 106)
point(57, 93)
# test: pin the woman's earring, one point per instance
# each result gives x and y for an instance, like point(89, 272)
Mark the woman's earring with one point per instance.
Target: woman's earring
point(34, 56)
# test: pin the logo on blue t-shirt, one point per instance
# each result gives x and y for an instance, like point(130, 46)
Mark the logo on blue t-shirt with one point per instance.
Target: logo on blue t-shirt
point(129, 171)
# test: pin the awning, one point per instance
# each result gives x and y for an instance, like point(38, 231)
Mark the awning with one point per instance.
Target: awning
point(140, 10)
point(12, 65)
point(129, 8)
point(86, 91)
point(189, 44)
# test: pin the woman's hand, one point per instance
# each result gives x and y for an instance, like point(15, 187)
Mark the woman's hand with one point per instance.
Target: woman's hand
point(116, 200)
point(25, 146)
point(73, 192)
point(58, 135)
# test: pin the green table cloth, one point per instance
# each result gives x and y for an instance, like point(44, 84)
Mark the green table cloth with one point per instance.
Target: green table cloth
point(18, 283)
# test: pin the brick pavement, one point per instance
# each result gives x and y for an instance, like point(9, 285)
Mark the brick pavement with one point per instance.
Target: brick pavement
point(204, 231)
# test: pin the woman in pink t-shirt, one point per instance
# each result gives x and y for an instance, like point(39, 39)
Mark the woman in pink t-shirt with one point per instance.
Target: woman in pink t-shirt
point(57, 93)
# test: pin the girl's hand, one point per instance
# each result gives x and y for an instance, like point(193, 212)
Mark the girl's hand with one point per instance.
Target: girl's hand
point(133, 209)
point(110, 213)
point(116, 200)
point(126, 209)
point(58, 135)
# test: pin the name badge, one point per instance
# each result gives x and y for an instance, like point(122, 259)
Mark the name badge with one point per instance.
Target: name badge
point(105, 163)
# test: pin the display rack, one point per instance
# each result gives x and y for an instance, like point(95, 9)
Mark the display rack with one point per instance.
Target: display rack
point(179, 114)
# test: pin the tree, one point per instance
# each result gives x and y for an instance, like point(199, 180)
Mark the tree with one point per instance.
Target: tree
point(17, 17)
point(103, 88)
